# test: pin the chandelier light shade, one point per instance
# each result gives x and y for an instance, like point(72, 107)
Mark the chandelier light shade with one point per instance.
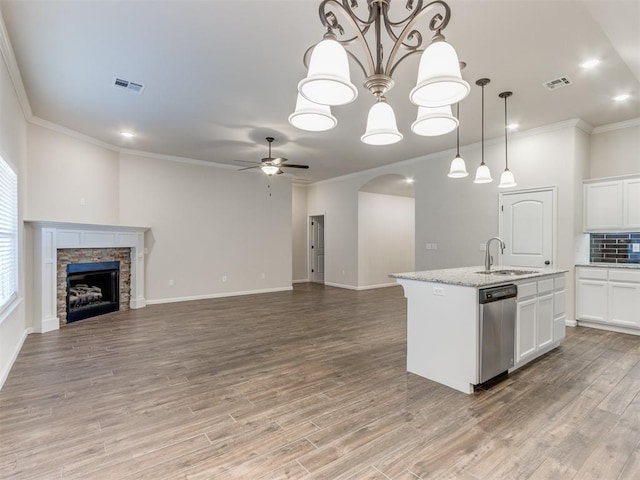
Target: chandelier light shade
point(312, 117)
point(381, 125)
point(361, 40)
point(458, 167)
point(434, 121)
point(507, 179)
point(328, 81)
point(439, 79)
point(483, 174)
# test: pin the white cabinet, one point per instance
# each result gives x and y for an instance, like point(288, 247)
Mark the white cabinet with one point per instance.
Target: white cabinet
point(612, 205)
point(603, 206)
point(631, 205)
point(609, 297)
point(540, 317)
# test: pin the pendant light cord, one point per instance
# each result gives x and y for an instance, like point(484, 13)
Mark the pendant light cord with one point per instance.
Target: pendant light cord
point(482, 130)
point(458, 130)
point(506, 151)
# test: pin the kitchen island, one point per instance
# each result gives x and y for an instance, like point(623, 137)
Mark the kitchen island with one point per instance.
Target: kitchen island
point(443, 328)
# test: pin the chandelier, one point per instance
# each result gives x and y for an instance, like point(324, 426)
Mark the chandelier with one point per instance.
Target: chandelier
point(328, 82)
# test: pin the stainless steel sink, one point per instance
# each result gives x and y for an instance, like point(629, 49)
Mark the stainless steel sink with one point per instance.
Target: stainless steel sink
point(507, 272)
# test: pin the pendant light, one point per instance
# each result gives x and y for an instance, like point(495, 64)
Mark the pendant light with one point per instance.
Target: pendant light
point(483, 175)
point(506, 179)
point(458, 168)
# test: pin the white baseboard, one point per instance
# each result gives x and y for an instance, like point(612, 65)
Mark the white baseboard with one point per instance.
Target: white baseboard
point(304, 280)
point(340, 285)
point(14, 356)
point(570, 323)
point(216, 295)
point(380, 285)
point(138, 303)
point(611, 328)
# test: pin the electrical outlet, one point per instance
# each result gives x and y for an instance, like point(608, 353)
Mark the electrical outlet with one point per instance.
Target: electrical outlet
point(83, 202)
point(483, 247)
point(224, 278)
point(439, 291)
point(171, 283)
point(635, 247)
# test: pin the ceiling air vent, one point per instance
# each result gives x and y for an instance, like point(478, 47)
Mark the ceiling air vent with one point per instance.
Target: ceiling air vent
point(557, 83)
point(131, 86)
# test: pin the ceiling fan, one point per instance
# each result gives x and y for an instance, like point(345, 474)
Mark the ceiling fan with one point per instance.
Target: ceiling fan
point(271, 165)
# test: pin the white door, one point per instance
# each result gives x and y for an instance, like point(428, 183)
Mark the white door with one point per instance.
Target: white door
point(526, 226)
point(316, 246)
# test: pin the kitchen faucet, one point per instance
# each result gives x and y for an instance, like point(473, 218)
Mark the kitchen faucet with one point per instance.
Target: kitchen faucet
point(488, 260)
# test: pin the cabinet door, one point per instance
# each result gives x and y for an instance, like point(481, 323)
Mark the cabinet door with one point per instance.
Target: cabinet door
point(592, 300)
point(559, 317)
point(631, 204)
point(624, 304)
point(603, 206)
point(525, 329)
point(544, 316)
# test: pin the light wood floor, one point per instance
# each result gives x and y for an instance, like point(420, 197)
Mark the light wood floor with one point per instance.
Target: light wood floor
point(309, 384)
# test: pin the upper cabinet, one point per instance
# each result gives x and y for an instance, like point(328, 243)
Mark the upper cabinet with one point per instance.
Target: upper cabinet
point(612, 205)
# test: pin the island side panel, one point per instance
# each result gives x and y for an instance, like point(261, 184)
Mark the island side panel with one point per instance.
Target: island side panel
point(442, 333)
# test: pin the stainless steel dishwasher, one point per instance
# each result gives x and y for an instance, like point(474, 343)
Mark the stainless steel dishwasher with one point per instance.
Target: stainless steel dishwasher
point(497, 330)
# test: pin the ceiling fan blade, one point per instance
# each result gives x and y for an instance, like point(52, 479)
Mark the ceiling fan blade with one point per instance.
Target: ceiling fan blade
point(246, 161)
point(279, 172)
point(293, 165)
point(248, 168)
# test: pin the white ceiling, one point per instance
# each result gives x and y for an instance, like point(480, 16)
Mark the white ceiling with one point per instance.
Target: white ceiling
point(221, 75)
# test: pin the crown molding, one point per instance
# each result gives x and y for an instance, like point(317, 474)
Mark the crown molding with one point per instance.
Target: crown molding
point(634, 122)
point(176, 159)
point(14, 72)
point(41, 122)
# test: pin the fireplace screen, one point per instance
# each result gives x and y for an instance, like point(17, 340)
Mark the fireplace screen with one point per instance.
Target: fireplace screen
point(92, 289)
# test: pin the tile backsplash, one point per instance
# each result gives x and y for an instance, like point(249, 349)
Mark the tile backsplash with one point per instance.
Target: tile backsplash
point(615, 247)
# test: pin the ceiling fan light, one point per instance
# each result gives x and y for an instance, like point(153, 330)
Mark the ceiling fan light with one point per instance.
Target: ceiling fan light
point(312, 117)
point(328, 81)
point(483, 174)
point(439, 79)
point(458, 168)
point(270, 169)
point(434, 121)
point(382, 128)
point(507, 179)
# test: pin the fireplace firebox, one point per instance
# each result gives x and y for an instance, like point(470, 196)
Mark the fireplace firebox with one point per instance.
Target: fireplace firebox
point(92, 289)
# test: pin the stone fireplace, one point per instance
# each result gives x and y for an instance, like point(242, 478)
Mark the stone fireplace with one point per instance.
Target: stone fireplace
point(58, 245)
point(92, 281)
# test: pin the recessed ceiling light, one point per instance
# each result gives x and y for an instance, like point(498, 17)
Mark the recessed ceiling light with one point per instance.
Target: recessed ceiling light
point(621, 98)
point(590, 63)
point(127, 134)
point(513, 126)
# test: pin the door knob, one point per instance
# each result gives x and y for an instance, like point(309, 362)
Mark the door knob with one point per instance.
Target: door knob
point(547, 262)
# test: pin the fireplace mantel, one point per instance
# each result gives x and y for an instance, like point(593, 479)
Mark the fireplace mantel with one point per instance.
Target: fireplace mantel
point(50, 236)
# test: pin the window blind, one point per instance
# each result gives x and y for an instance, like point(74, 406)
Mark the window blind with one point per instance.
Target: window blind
point(8, 233)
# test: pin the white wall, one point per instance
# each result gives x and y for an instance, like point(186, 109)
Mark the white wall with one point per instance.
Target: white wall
point(206, 223)
point(64, 172)
point(299, 234)
point(386, 237)
point(615, 150)
point(13, 144)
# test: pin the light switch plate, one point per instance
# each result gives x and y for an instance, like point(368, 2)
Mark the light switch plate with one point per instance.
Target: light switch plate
point(635, 247)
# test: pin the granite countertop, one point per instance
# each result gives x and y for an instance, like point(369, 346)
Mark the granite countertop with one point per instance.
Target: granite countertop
point(469, 276)
point(609, 265)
